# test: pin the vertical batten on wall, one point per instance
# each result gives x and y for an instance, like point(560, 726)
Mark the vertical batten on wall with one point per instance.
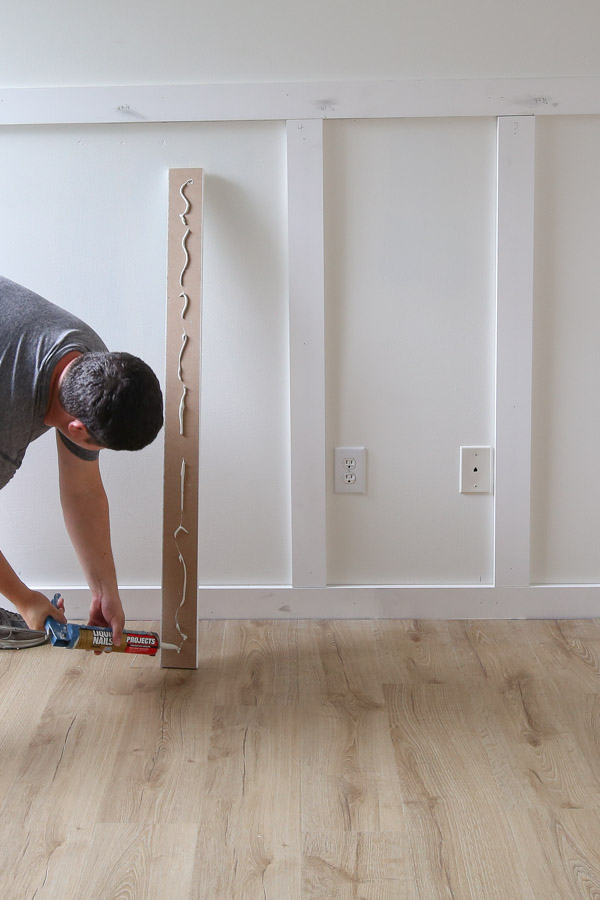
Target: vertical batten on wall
point(307, 351)
point(514, 299)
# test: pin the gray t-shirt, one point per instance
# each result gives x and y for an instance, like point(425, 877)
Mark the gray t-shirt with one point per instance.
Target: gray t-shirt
point(34, 336)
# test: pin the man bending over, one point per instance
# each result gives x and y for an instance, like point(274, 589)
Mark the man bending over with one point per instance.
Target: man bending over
point(55, 372)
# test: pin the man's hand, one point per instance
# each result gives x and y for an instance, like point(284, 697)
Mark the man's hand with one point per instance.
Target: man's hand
point(106, 611)
point(35, 609)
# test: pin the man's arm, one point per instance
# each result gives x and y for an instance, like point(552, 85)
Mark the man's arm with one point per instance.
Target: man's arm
point(32, 605)
point(86, 515)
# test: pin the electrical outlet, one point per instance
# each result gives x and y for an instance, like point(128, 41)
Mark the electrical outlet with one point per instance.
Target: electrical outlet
point(475, 470)
point(349, 470)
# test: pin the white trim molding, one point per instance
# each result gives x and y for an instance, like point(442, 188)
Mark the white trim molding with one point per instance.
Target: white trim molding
point(557, 601)
point(402, 602)
point(319, 100)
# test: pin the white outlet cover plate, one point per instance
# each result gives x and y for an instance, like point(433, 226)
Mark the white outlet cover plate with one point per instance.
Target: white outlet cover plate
point(476, 475)
point(349, 461)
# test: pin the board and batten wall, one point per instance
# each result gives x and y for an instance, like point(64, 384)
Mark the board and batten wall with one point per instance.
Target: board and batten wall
point(349, 289)
point(413, 349)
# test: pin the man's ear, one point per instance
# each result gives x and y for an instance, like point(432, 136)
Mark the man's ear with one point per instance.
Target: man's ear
point(77, 431)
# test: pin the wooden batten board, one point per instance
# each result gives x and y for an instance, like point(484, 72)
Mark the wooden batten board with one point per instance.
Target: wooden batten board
point(182, 422)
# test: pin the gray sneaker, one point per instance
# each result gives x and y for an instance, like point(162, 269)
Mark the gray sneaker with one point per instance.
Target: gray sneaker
point(14, 633)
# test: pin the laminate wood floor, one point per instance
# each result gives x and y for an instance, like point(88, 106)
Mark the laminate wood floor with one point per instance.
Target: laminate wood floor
point(307, 760)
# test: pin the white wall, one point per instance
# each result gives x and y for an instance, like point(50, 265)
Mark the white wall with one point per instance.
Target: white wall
point(82, 219)
point(410, 227)
point(154, 42)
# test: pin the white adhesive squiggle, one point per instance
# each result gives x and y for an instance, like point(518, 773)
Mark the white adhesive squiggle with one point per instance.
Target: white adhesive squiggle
point(182, 409)
point(184, 340)
point(182, 486)
point(186, 303)
point(187, 202)
point(187, 256)
point(183, 592)
point(182, 634)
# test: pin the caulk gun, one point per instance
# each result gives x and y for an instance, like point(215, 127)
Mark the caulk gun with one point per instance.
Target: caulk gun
point(93, 637)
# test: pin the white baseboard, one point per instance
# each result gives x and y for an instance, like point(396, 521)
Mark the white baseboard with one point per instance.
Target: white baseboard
point(361, 602)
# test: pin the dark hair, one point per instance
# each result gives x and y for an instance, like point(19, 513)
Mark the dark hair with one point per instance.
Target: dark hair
point(116, 396)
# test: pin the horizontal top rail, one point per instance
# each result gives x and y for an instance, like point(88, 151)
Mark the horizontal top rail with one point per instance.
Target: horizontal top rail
point(319, 100)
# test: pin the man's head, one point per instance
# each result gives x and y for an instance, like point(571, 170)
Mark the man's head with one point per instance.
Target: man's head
point(116, 396)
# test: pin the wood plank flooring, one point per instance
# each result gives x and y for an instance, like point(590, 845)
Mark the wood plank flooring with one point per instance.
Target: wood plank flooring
point(306, 760)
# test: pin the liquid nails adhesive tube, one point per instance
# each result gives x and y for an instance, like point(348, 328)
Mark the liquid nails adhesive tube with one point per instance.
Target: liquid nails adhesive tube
point(88, 637)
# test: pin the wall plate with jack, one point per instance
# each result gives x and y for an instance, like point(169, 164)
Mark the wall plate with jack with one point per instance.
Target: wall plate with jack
point(475, 470)
point(349, 465)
